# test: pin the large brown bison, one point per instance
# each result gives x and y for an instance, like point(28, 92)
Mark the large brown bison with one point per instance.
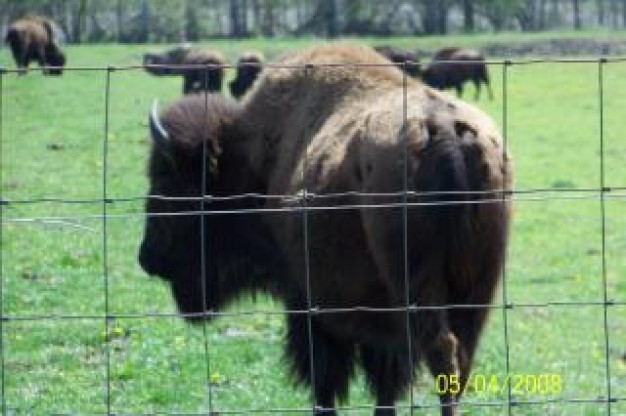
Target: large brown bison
point(452, 67)
point(406, 60)
point(249, 66)
point(32, 39)
point(202, 70)
point(336, 146)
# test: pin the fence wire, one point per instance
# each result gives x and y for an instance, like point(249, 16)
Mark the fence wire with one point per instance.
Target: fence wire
point(305, 203)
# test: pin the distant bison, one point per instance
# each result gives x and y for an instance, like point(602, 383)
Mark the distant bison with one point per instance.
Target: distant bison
point(202, 70)
point(32, 39)
point(249, 67)
point(332, 140)
point(406, 60)
point(468, 65)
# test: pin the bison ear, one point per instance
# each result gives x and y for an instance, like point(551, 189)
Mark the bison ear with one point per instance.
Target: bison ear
point(158, 133)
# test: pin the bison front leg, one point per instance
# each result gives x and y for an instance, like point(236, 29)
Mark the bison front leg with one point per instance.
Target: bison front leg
point(388, 372)
point(442, 360)
point(332, 358)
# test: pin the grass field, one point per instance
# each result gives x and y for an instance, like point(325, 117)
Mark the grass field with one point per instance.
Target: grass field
point(65, 269)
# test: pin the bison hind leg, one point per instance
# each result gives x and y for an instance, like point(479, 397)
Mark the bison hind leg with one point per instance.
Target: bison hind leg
point(333, 361)
point(388, 373)
point(442, 357)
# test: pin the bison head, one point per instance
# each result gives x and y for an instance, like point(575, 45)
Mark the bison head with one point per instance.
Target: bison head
point(206, 253)
point(249, 67)
point(161, 63)
point(55, 58)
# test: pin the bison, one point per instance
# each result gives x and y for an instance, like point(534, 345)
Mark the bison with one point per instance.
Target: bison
point(249, 67)
point(452, 67)
point(32, 39)
point(386, 226)
point(408, 61)
point(202, 70)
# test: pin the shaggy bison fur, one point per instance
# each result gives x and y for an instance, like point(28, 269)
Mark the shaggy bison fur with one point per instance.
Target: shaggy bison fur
point(32, 39)
point(334, 139)
point(406, 60)
point(452, 67)
point(249, 67)
point(202, 70)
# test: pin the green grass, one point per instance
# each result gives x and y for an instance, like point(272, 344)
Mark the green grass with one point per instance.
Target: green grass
point(52, 146)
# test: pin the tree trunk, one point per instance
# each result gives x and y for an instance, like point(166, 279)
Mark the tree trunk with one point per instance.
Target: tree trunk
point(267, 21)
point(600, 12)
point(256, 16)
point(331, 17)
point(614, 14)
point(468, 15)
point(429, 17)
point(217, 14)
point(237, 22)
point(577, 24)
point(80, 22)
point(119, 19)
point(542, 15)
point(191, 21)
point(144, 34)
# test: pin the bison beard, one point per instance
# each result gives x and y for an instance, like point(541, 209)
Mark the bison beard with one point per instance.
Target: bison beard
point(332, 129)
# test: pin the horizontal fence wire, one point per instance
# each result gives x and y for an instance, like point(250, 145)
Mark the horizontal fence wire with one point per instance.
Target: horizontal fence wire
point(269, 65)
point(315, 310)
point(296, 209)
point(306, 202)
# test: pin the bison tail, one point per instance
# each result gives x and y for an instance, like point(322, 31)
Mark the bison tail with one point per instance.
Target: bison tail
point(451, 190)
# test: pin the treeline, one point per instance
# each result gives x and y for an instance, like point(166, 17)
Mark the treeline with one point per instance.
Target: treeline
point(180, 20)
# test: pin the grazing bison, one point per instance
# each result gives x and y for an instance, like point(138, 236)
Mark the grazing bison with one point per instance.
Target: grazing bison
point(202, 70)
point(407, 61)
point(468, 65)
point(364, 248)
point(32, 39)
point(249, 67)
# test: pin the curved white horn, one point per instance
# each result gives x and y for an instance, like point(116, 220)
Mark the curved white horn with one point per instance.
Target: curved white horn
point(157, 131)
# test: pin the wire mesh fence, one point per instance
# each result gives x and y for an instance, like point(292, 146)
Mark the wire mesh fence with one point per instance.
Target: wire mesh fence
point(90, 213)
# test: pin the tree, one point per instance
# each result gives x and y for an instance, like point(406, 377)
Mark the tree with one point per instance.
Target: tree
point(434, 16)
point(576, 7)
point(238, 21)
point(468, 15)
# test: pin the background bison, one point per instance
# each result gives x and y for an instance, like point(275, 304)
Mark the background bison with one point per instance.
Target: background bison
point(452, 67)
point(249, 67)
point(32, 39)
point(408, 61)
point(208, 75)
point(329, 130)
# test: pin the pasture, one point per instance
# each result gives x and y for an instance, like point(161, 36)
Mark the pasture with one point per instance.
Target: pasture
point(65, 269)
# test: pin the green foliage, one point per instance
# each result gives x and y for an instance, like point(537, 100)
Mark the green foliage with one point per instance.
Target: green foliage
point(52, 146)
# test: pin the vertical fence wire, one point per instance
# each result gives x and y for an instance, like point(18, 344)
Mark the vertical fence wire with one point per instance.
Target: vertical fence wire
point(205, 186)
point(603, 190)
point(405, 235)
point(105, 236)
point(2, 318)
point(505, 300)
point(307, 261)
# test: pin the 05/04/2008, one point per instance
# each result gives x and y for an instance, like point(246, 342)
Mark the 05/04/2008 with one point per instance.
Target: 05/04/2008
point(520, 384)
